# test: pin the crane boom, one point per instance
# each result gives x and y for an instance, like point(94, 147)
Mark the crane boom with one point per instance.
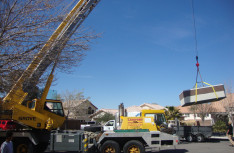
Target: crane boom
point(44, 113)
point(52, 48)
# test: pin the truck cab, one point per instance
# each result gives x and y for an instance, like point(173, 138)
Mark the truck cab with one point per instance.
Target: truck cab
point(109, 126)
point(158, 115)
point(41, 115)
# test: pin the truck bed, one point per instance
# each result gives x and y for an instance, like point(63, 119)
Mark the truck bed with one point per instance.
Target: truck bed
point(183, 131)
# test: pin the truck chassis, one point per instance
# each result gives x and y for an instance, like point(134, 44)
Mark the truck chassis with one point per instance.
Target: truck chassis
point(114, 141)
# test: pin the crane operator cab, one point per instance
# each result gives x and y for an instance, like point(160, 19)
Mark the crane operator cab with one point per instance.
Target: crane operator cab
point(53, 106)
point(52, 110)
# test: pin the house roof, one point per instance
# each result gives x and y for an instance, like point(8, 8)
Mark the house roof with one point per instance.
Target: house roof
point(134, 109)
point(84, 101)
point(139, 108)
point(112, 111)
point(78, 103)
point(152, 106)
point(184, 110)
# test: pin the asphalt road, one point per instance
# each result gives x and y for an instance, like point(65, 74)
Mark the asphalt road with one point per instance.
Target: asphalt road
point(211, 146)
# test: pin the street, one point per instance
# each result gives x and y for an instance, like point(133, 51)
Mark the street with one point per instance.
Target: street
point(211, 146)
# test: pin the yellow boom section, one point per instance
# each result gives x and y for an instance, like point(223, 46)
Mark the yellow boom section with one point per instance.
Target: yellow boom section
point(60, 36)
point(44, 114)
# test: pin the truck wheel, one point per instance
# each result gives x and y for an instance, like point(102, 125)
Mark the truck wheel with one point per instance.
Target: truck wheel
point(133, 146)
point(189, 138)
point(110, 147)
point(23, 147)
point(200, 138)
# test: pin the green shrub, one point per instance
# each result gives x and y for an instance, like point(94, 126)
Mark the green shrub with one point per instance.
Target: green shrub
point(106, 117)
point(220, 127)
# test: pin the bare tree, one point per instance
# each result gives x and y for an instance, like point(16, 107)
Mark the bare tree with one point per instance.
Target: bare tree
point(25, 26)
point(204, 109)
point(71, 100)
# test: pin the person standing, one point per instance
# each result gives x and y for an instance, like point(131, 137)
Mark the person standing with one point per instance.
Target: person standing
point(230, 133)
point(7, 146)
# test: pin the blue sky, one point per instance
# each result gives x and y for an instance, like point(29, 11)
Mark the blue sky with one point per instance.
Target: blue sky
point(147, 54)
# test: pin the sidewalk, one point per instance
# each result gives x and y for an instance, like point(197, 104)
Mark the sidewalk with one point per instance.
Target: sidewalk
point(219, 137)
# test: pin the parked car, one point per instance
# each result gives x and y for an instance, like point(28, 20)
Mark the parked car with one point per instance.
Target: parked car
point(7, 125)
point(90, 123)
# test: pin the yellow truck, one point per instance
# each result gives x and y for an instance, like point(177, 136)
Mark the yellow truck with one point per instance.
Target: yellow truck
point(149, 119)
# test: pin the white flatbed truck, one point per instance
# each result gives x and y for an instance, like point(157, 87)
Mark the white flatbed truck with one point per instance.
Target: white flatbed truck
point(115, 141)
point(137, 140)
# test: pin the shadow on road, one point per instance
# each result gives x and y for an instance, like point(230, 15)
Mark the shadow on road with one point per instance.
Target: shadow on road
point(174, 151)
point(206, 141)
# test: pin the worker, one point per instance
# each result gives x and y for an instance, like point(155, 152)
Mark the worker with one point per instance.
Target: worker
point(230, 133)
point(7, 146)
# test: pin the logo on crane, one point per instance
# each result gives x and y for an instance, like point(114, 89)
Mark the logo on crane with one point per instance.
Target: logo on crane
point(27, 118)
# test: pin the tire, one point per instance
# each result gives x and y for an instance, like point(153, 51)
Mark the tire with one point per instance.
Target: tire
point(23, 147)
point(133, 146)
point(110, 147)
point(189, 138)
point(200, 138)
point(93, 128)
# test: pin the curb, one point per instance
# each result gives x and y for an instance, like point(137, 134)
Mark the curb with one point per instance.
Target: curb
point(218, 137)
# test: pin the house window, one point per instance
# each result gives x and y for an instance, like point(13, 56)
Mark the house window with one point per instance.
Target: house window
point(89, 110)
point(186, 115)
point(200, 115)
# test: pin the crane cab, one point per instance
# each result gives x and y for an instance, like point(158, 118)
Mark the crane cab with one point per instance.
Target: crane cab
point(52, 106)
point(40, 115)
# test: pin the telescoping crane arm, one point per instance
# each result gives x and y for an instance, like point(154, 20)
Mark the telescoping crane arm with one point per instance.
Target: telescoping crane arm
point(39, 115)
point(52, 48)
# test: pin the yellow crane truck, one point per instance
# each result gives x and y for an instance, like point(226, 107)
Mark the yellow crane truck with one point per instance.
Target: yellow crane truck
point(39, 116)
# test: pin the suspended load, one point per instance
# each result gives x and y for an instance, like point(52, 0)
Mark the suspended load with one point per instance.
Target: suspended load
point(202, 95)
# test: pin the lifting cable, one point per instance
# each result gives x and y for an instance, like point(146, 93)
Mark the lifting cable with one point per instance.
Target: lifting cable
point(196, 50)
point(195, 38)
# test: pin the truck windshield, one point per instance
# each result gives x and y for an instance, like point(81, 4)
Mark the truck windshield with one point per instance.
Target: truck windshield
point(54, 107)
point(158, 118)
